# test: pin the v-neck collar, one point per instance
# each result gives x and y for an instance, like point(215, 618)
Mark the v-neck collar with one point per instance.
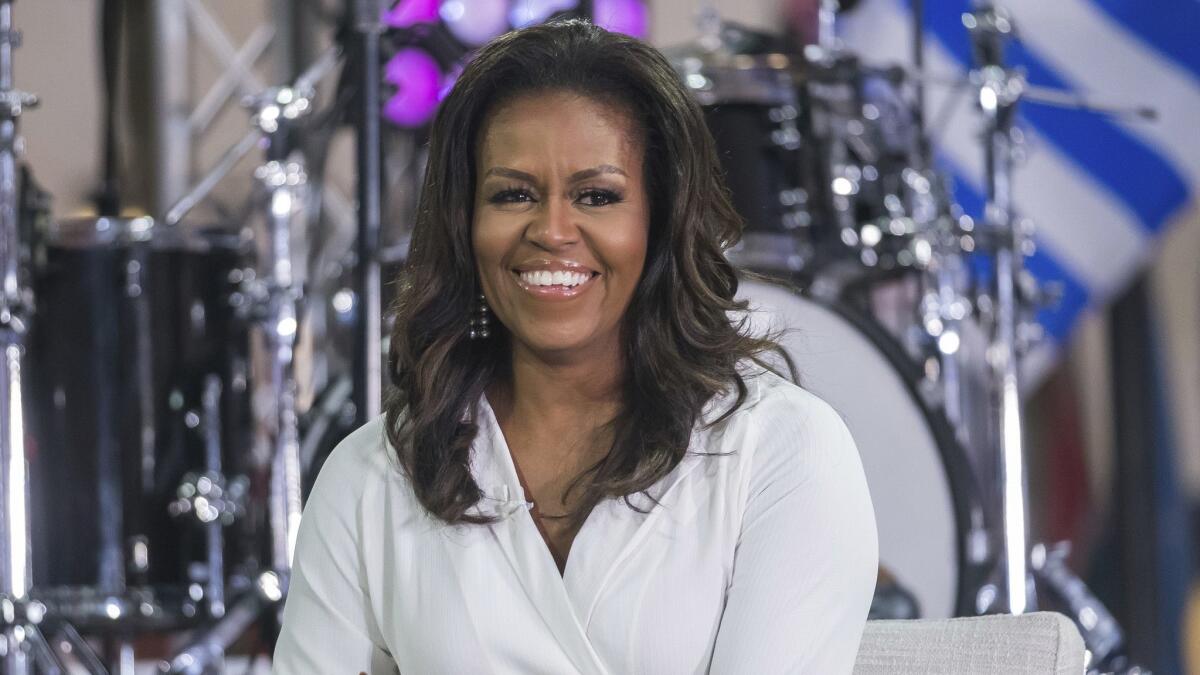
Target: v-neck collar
point(523, 545)
point(568, 600)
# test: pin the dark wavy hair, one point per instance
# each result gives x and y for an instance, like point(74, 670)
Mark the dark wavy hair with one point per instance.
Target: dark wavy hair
point(680, 344)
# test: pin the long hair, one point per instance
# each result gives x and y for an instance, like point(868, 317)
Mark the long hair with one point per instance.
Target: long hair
point(680, 345)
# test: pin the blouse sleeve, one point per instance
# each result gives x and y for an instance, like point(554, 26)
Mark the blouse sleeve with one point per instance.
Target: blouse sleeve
point(807, 557)
point(327, 622)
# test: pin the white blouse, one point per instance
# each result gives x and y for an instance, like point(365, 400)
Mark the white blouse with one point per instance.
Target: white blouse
point(760, 558)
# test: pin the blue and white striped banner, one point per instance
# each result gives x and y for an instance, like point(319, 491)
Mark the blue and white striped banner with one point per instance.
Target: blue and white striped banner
point(1099, 189)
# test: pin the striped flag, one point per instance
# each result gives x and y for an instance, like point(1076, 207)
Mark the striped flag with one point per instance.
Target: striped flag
point(1099, 189)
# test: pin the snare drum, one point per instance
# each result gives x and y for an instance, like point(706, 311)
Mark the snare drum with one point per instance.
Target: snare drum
point(927, 507)
point(139, 387)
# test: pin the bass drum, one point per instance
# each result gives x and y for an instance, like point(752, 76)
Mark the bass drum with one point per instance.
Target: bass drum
point(920, 480)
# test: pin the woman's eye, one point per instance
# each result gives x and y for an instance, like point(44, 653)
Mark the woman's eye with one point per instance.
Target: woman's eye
point(511, 196)
point(599, 197)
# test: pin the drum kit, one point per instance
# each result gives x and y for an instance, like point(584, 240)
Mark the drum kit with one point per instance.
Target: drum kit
point(155, 450)
point(856, 254)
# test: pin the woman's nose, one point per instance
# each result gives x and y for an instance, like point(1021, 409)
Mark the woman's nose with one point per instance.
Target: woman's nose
point(553, 225)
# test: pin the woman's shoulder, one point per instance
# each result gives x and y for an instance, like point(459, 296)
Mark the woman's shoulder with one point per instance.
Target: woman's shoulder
point(355, 467)
point(771, 399)
point(794, 429)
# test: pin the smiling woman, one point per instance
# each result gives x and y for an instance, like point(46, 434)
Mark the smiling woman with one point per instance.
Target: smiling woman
point(609, 478)
point(541, 224)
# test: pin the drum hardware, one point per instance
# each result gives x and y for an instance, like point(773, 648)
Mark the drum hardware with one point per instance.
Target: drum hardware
point(1059, 585)
point(209, 496)
point(210, 500)
point(1000, 90)
point(871, 191)
point(756, 112)
point(1006, 307)
point(208, 648)
point(270, 295)
point(822, 156)
point(120, 422)
point(23, 644)
point(276, 301)
point(892, 601)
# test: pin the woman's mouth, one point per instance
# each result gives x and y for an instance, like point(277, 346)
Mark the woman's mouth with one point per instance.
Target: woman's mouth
point(555, 284)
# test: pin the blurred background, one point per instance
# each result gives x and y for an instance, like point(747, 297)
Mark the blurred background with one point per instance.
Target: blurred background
point(986, 217)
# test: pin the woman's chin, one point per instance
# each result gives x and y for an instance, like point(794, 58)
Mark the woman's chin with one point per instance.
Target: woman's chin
point(557, 345)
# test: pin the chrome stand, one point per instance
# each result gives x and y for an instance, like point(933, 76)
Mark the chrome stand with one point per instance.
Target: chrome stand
point(23, 646)
point(275, 298)
point(999, 91)
point(270, 296)
point(19, 616)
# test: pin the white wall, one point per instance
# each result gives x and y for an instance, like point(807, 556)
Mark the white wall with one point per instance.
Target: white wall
point(60, 62)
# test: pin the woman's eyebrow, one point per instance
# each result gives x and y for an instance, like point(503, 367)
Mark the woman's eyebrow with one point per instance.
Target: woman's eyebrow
point(510, 173)
point(573, 178)
point(595, 171)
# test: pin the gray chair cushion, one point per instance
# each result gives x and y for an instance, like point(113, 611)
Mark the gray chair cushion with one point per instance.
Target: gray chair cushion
point(1041, 642)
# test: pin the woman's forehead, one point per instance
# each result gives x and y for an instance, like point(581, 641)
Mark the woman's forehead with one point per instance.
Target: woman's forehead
point(559, 122)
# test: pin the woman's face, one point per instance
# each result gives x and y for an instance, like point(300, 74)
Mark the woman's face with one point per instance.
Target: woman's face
point(561, 221)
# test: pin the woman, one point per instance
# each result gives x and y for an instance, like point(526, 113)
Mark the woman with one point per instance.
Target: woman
point(585, 467)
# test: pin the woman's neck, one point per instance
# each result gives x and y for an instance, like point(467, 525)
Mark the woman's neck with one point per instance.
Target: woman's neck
point(560, 392)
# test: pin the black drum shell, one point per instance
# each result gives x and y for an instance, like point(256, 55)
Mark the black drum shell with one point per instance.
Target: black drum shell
point(125, 335)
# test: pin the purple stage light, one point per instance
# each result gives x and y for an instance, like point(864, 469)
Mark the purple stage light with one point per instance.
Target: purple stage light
point(418, 81)
point(474, 22)
point(529, 12)
point(621, 16)
point(410, 12)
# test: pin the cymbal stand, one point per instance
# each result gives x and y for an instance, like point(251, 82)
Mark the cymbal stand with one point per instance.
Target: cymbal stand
point(23, 645)
point(999, 92)
point(270, 296)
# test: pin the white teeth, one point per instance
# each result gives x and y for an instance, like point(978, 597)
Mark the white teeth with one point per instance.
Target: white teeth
point(555, 278)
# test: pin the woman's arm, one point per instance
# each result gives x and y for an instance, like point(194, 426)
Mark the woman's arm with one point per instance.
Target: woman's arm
point(807, 557)
point(327, 621)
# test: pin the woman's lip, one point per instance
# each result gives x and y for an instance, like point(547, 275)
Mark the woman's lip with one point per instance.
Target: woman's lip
point(554, 267)
point(555, 292)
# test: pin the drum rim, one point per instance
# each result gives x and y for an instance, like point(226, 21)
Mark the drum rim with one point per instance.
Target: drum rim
point(701, 62)
point(965, 495)
point(104, 232)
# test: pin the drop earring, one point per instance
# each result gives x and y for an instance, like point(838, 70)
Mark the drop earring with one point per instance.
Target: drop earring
point(480, 319)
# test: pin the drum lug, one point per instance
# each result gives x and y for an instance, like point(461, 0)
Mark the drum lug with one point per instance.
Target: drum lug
point(139, 556)
point(209, 497)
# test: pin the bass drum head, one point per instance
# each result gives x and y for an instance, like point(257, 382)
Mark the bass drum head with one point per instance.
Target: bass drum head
point(912, 462)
